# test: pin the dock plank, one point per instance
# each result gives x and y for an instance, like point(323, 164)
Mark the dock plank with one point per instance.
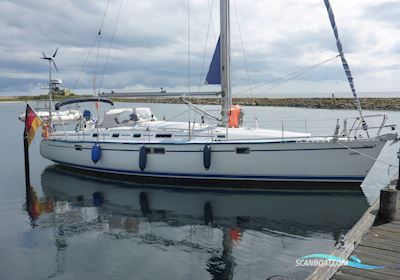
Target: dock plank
point(345, 276)
point(367, 274)
point(388, 263)
point(389, 235)
point(382, 246)
point(374, 239)
point(380, 251)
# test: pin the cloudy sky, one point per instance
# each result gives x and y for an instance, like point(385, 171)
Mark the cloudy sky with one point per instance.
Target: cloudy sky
point(150, 48)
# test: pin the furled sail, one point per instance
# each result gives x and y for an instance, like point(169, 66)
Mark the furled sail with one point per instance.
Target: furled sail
point(344, 62)
point(214, 72)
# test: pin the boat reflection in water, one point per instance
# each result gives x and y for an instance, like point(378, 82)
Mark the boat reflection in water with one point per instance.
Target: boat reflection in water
point(178, 232)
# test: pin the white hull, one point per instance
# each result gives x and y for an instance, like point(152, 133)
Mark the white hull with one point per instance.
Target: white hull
point(308, 161)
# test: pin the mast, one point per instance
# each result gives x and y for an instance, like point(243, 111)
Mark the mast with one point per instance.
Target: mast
point(50, 97)
point(225, 60)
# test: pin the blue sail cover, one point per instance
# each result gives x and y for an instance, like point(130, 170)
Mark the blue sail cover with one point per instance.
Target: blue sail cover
point(214, 73)
point(344, 61)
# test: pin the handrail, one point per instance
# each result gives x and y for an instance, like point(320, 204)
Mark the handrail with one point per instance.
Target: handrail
point(81, 100)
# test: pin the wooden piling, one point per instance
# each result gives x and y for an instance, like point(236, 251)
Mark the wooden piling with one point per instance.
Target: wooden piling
point(388, 204)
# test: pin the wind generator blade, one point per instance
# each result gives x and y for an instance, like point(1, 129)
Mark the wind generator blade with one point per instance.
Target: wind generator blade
point(44, 55)
point(54, 55)
point(54, 63)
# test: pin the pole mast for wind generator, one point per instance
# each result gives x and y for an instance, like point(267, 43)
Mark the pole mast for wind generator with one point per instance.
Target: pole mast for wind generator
point(51, 60)
point(225, 61)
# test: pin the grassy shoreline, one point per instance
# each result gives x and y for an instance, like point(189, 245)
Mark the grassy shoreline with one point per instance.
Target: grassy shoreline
point(392, 104)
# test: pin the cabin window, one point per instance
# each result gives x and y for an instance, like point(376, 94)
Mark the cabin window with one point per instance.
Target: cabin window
point(115, 135)
point(136, 135)
point(94, 135)
point(159, 150)
point(243, 150)
point(163, 135)
point(148, 151)
point(78, 147)
point(221, 136)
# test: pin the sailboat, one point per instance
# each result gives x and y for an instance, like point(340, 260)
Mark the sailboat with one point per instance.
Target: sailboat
point(132, 141)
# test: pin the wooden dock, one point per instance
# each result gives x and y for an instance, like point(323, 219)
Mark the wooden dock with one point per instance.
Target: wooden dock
point(372, 241)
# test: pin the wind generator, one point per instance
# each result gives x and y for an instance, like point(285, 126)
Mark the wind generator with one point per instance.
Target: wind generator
point(51, 60)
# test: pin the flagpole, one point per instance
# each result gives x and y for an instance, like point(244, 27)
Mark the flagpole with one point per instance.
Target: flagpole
point(26, 157)
point(26, 152)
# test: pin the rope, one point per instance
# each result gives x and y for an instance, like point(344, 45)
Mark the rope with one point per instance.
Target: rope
point(290, 76)
point(177, 115)
point(369, 157)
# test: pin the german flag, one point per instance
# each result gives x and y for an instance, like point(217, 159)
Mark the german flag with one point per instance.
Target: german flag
point(32, 122)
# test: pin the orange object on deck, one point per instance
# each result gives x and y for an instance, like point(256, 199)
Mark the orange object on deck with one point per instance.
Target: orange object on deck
point(45, 130)
point(235, 116)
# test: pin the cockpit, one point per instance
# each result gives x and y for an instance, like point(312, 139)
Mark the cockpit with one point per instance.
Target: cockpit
point(126, 117)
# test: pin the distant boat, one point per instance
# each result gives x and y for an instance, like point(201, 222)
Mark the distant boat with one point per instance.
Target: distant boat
point(60, 117)
point(133, 142)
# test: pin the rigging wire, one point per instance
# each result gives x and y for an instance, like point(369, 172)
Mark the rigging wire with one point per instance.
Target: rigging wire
point(188, 45)
point(85, 62)
point(188, 60)
point(205, 46)
point(97, 37)
point(210, 6)
point(367, 156)
point(243, 49)
point(281, 80)
point(245, 59)
point(110, 45)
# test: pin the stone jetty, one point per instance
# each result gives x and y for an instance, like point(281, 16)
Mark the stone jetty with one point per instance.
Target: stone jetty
point(392, 104)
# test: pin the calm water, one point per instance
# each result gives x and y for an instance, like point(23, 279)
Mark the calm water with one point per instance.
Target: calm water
point(77, 226)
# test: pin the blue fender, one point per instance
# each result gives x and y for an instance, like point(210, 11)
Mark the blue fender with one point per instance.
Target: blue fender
point(207, 156)
point(96, 153)
point(142, 158)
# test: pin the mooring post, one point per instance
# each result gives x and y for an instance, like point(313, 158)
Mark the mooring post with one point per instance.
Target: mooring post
point(398, 174)
point(388, 204)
